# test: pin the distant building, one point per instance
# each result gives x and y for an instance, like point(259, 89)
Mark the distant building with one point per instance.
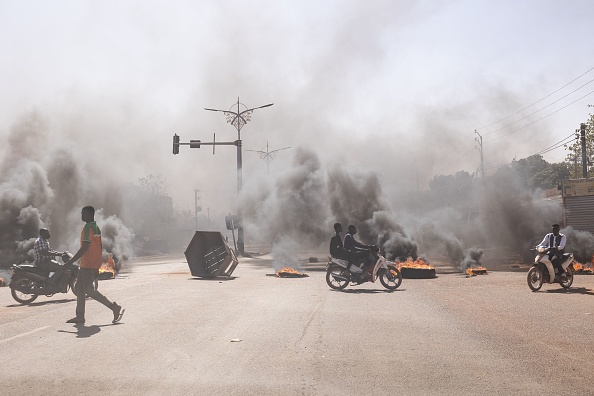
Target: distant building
point(578, 203)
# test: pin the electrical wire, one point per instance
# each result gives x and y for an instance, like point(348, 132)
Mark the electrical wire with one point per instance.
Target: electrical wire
point(535, 103)
point(537, 111)
point(540, 119)
point(556, 145)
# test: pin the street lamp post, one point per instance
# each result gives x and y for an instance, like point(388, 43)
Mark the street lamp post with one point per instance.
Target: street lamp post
point(268, 155)
point(238, 119)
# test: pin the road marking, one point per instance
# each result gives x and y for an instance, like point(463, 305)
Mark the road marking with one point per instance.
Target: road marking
point(23, 334)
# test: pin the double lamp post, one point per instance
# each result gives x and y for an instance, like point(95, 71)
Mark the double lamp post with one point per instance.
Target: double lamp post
point(237, 118)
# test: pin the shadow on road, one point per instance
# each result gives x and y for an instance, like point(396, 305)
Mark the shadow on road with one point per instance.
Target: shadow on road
point(40, 303)
point(366, 291)
point(83, 331)
point(222, 278)
point(578, 290)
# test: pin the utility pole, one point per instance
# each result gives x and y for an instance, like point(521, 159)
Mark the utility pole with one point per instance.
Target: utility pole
point(479, 140)
point(197, 208)
point(584, 157)
point(238, 119)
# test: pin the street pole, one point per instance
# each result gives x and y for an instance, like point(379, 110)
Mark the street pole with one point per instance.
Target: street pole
point(238, 119)
point(196, 198)
point(479, 140)
point(268, 155)
point(584, 158)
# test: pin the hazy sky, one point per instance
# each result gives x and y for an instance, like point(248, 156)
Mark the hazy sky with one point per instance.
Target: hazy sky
point(397, 87)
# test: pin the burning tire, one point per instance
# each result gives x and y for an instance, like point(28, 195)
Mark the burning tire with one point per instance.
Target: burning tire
point(337, 278)
point(535, 279)
point(567, 278)
point(390, 279)
point(22, 296)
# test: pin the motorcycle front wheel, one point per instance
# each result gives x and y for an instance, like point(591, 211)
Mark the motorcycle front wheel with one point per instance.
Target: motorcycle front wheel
point(391, 278)
point(535, 279)
point(21, 296)
point(567, 278)
point(337, 277)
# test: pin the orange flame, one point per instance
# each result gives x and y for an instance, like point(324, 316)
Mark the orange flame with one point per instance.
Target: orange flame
point(108, 266)
point(289, 271)
point(418, 263)
point(473, 271)
point(583, 268)
point(2, 282)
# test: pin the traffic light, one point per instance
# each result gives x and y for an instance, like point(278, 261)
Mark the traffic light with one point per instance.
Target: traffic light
point(195, 143)
point(175, 144)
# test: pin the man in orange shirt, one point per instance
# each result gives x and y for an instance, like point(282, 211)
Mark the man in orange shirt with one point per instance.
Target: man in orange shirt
point(90, 255)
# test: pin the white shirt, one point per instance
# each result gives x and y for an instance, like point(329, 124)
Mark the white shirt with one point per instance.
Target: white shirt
point(550, 240)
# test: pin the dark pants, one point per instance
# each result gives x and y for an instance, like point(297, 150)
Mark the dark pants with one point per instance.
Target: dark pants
point(85, 286)
point(52, 266)
point(557, 260)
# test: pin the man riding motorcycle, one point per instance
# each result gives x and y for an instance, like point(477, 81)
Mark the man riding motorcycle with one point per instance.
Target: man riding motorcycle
point(44, 257)
point(337, 249)
point(555, 242)
point(358, 250)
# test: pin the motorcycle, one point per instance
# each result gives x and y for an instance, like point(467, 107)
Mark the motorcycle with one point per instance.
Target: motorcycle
point(338, 276)
point(543, 271)
point(29, 282)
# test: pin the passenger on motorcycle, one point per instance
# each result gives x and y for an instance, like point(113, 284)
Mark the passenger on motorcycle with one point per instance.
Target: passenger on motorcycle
point(555, 241)
point(337, 249)
point(358, 250)
point(44, 256)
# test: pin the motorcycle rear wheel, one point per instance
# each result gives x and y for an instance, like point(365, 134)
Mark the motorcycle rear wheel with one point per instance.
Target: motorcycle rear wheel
point(337, 284)
point(23, 297)
point(535, 279)
point(567, 278)
point(390, 279)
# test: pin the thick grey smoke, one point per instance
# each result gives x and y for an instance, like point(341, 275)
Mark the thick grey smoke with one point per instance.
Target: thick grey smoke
point(472, 259)
point(580, 243)
point(100, 126)
point(303, 203)
point(45, 185)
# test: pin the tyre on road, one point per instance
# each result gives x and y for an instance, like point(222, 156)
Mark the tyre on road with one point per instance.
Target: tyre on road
point(337, 277)
point(535, 279)
point(391, 278)
point(21, 296)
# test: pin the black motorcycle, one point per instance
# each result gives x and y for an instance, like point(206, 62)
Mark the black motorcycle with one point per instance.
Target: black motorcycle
point(28, 281)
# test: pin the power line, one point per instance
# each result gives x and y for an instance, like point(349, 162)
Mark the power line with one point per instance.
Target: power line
point(542, 118)
point(537, 111)
point(527, 107)
point(556, 145)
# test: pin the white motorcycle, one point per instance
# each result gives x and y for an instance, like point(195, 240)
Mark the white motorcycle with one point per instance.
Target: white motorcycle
point(543, 271)
point(338, 276)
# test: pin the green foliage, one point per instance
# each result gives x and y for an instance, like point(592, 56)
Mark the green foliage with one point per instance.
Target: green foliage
point(536, 173)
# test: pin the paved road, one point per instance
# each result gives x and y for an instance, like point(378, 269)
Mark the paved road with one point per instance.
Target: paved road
point(256, 334)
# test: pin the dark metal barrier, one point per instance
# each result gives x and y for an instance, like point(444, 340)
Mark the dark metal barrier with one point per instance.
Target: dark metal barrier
point(208, 255)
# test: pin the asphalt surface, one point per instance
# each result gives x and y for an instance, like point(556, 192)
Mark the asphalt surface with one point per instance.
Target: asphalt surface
point(256, 334)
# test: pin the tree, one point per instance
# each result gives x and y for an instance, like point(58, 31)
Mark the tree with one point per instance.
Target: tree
point(150, 208)
point(574, 150)
point(534, 172)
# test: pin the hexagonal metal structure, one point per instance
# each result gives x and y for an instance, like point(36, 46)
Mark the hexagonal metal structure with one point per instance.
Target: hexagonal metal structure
point(208, 255)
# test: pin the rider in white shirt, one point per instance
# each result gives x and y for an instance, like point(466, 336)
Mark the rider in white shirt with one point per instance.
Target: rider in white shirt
point(555, 241)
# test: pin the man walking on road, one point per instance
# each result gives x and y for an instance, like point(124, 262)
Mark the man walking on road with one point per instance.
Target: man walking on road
point(90, 255)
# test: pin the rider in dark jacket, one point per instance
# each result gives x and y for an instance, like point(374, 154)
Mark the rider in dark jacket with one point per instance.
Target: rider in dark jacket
point(358, 250)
